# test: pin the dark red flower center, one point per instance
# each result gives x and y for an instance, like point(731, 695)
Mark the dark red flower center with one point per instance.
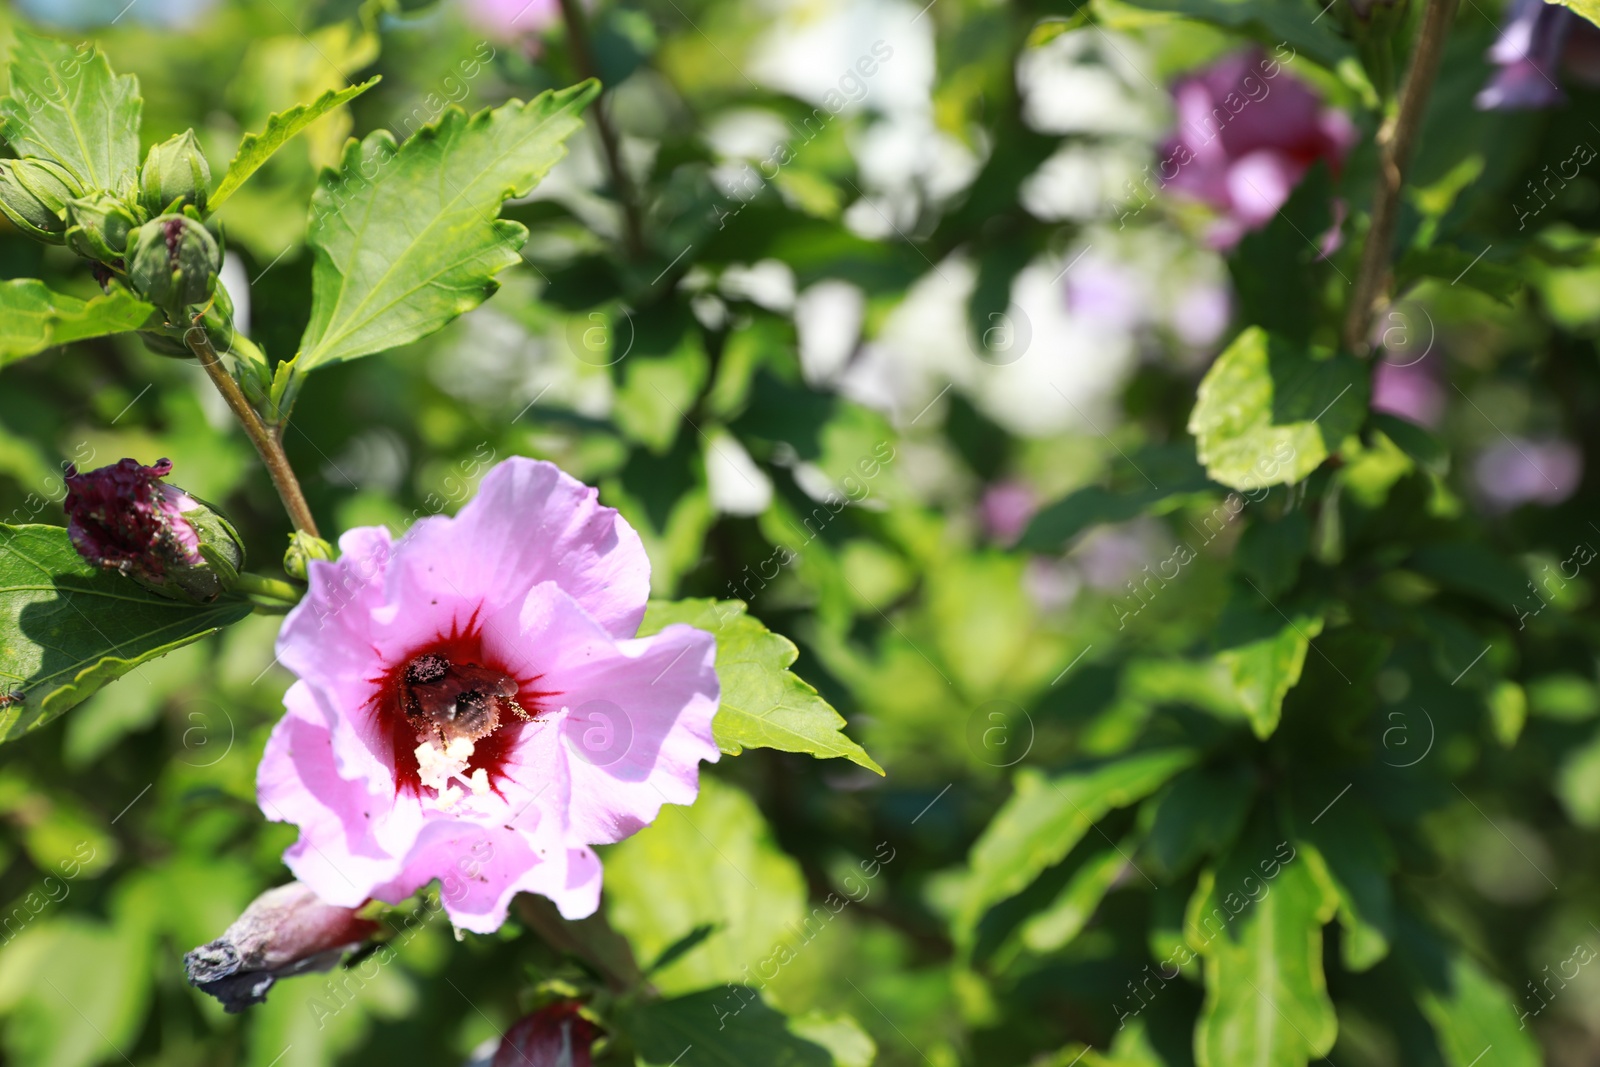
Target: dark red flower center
point(452, 690)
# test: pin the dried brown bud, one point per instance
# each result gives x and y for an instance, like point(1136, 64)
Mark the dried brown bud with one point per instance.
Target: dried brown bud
point(285, 931)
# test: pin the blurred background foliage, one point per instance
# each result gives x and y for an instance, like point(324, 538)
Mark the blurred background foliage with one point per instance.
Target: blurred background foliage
point(1105, 691)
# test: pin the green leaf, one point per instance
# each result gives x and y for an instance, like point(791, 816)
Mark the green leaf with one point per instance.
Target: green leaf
point(1257, 920)
point(1268, 414)
point(66, 104)
point(67, 628)
point(764, 705)
point(32, 318)
point(1200, 815)
point(1578, 784)
point(1357, 858)
point(727, 873)
point(406, 238)
point(1470, 1011)
point(1042, 821)
point(1451, 264)
point(1065, 917)
point(1589, 9)
point(727, 1027)
point(1288, 28)
point(1270, 552)
point(256, 148)
point(1264, 653)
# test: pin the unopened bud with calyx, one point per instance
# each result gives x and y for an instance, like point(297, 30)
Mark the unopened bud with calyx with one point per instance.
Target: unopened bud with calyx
point(99, 225)
point(175, 173)
point(125, 518)
point(34, 195)
point(303, 549)
point(173, 262)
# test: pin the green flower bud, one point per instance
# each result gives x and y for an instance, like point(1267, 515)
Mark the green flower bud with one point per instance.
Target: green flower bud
point(100, 225)
point(175, 173)
point(34, 195)
point(173, 261)
point(303, 548)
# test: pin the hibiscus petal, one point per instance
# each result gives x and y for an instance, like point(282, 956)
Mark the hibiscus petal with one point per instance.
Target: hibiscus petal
point(639, 712)
point(530, 523)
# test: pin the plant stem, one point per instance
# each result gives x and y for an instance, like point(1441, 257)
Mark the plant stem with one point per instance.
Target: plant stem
point(583, 58)
point(1395, 140)
point(267, 446)
point(271, 588)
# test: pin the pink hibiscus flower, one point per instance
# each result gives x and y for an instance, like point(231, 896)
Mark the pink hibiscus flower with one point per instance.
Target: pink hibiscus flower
point(473, 706)
point(1247, 133)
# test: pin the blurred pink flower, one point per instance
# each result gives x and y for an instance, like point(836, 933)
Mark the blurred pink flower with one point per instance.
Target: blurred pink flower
point(510, 19)
point(1518, 471)
point(556, 1036)
point(1247, 133)
point(1409, 391)
point(1006, 509)
point(473, 705)
point(1534, 43)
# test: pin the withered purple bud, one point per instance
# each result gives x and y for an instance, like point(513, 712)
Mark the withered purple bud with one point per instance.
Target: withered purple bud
point(125, 518)
point(555, 1036)
point(284, 932)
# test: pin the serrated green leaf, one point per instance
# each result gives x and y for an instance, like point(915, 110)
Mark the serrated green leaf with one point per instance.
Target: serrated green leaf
point(407, 239)
point(256, 148)
point(1045, 818)
point(726, 872)
point(33, 318)
point(66, 104)
point(764, 705)
point(67, 628)
point(1260, 934)
point(708, 1030)
point(1268, 414)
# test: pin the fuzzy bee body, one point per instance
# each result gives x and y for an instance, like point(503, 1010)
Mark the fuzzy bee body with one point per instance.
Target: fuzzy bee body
point(453, 701)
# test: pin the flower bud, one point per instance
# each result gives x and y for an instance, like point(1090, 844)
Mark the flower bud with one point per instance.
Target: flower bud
point(34, 195)
point(173, 261)
point(125, 518)
point(556, 1035)
point(303, 548)
point(99, 226)
point(285, 931)
point(175, 173)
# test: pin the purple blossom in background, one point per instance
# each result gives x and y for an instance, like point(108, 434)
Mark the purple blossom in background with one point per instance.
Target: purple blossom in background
point(1518, 471)
point(1409, 391)
point(1247, 133)
point(1006, 509)
point(510, 19)
point(1533, 44)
